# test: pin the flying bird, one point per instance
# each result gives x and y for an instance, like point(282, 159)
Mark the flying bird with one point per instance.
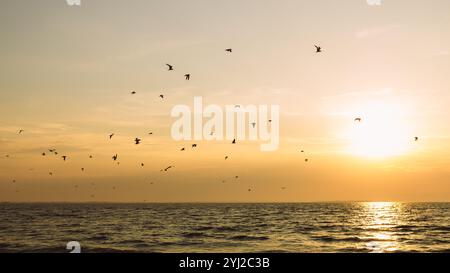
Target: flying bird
point(82, 169)
point(358, 119)
point(187, 76)
point(194, 145)
point(137, 141)
point(302, 151)
point(142, 164)
point(21, 131)
point(306, 160)
point(64, 157)
point(51, 150)
point(170, 67)
point(133, 92)
point(43, 154)
point(90, 156)
point(229, 50)
point(50, 173)
point(182, 149)
point(111, 135)
point(234, 141)
point(161, 96)
point(166, 169)
point(226, 157)
point(253, 124)
point(114, 157)
point(416, 138)
point(151, 133)
point(318, 49)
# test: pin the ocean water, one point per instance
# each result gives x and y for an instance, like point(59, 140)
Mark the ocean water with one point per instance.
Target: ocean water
point(299, 227)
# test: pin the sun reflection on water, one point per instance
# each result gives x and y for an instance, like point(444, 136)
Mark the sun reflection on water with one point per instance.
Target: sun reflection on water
point(379, 218)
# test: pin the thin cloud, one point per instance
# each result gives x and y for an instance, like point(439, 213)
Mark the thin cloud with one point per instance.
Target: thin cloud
point(375, 31)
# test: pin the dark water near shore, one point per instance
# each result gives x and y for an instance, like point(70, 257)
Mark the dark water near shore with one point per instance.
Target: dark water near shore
point(301, 227)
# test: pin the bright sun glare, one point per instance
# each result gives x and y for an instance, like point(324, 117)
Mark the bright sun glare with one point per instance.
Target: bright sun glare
point(382, 132)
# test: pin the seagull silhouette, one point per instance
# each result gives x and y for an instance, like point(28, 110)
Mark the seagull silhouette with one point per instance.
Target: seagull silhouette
point(358, 119)
point(43, 154)
point(306, 160)
point(111, 135)
point(161, 96)
point(50, 173)
point(187, 76)
point(166, 169)
point(229, 50)
point(82, 169)
point(170, 67)
point(253, 124)
point(133, 92)
point(194, 145)
point(226, 157)
point(234, 141)
point(52, 150)
point(64, 157)
point(151, 133)
point(318, 49)
point(115, 157)
point(416, 138)
point(142, 164)
point(90, 156)
point(137, 141)
point(182, 149)
point(21, 131)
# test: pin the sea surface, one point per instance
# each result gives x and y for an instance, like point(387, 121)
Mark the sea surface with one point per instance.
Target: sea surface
point(297, 227)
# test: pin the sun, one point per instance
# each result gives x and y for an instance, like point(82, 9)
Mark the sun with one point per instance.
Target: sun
point(383, 131)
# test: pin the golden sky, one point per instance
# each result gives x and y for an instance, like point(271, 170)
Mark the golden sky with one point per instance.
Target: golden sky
point(66, 75)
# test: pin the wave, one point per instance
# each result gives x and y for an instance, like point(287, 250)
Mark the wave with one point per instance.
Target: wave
point(249, 238)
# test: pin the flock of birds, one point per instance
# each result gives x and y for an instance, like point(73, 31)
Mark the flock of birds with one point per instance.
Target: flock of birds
point(138, 141)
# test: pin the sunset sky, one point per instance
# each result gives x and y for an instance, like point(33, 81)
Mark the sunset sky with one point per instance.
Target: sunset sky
point(66, 75)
